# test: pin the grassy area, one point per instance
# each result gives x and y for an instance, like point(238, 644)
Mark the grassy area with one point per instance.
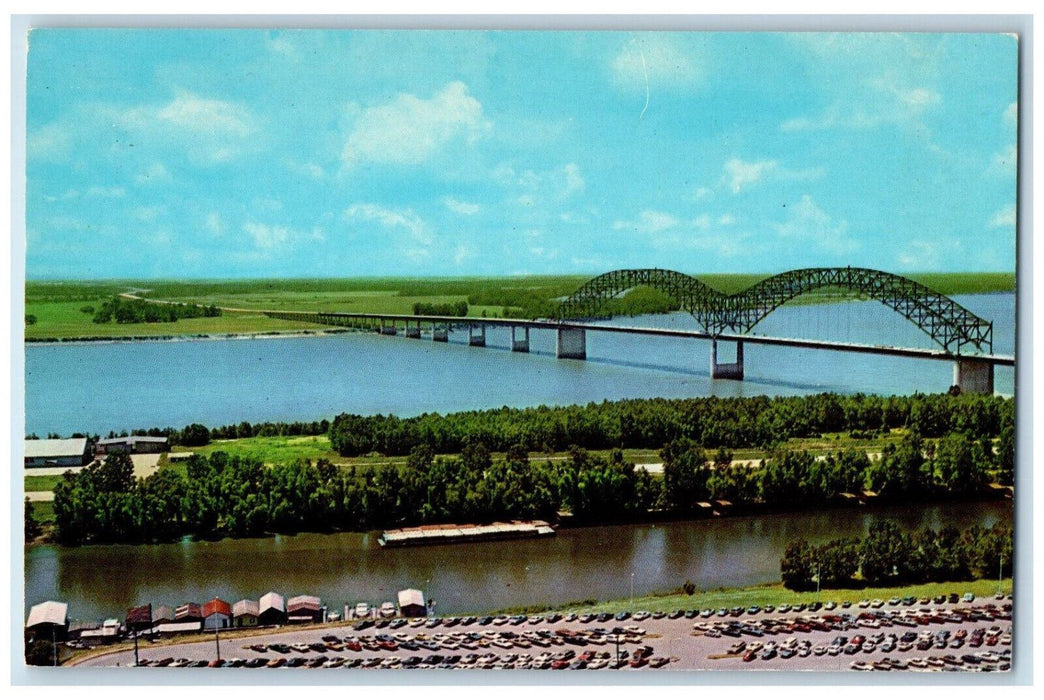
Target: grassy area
point(44, 511)
point(57, 305)
point(775, 594)
point(41, 483)
point(272, 450)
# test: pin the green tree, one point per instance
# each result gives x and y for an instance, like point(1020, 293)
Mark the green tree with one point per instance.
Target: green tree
point(30, 320)
point(797, 566)
point(39, 652)
point(685, 473)
point(1006, 456)
point(885, 553)
point(32, 527)
point(960, 464)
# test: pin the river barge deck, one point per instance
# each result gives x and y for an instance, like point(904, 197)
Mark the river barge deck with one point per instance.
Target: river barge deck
point(453, 534)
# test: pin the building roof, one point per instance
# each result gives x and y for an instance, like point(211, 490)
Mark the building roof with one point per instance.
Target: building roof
point(131, 439)
point(273, 600)
point(298, 602)
point(217, 606)
point(141, 614)
point(72, 447)
point(245, 607)
point(50, 612)
point(188, 610)
point(411, 596)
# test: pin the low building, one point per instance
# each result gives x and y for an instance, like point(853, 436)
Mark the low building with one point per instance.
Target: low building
point(178, 627)
point(139, 618)
point(188, 612)
point(272, 610)
point(411, 603)
point(133, 444)
point(244, 613)
point(217, 614)
point(303, 609)
point(48, 620)
point(74, 452)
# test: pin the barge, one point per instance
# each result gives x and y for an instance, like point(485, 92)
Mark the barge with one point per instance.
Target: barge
point(454, 534)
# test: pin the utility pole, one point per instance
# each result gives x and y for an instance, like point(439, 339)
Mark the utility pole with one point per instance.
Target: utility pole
point(819, 577)
point(54, 648)
point(632, 591)
point(1000, 573)
point(135, 633)
point(217, 642)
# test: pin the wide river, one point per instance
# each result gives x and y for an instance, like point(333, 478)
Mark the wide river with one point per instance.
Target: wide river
point(576, 564)
point(98, 387)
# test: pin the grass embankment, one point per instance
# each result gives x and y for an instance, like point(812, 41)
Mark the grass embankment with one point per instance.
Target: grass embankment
point(775, 594)
point(57, 305)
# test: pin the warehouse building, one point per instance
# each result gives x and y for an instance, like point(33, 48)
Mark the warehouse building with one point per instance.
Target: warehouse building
point(273, 610)
point(304, 609)
point(74, 452)
point(244, 613)
point(217, 614)
point(49, 620)
point(133, 444)
point(411, 603)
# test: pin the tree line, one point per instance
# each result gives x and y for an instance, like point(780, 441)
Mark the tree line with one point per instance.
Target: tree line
point(457, 308)
point(890, 556)
point(756, 422)
point(123, 310)
point(237, 496)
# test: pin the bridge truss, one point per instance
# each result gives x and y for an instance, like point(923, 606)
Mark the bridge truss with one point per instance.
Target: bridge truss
point(948, 323)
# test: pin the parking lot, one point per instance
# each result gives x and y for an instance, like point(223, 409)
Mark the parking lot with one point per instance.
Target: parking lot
point(882, 636)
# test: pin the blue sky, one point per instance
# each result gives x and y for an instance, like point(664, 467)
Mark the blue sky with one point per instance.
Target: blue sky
point(258, 153)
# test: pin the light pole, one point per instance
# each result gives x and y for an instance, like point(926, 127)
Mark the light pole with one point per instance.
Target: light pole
point(819, 577)
point(632, 591)
point(1000, 573)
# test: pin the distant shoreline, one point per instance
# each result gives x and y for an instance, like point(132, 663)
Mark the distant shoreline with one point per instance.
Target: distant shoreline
point(189, 337)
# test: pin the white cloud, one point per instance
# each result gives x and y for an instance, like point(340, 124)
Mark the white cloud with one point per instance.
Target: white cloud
point(194, 113)
point(154, 173)
point(657, 60)
point(1011, 114)
point(267, 237)
point(214, 223)
point(738, 174)
point(919, 255)
point(1005, 218)
point(460, 207)
point(648, 221)
point(809, 223)
point(405, 220)
point(882, 100)
point(1004, 163)
point(106, 192)
point(704, 192)
point(726, 220)
point(550, 185)
point(409, 130)
point(50, 142)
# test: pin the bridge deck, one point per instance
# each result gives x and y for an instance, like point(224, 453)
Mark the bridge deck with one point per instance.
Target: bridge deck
point(920, 353)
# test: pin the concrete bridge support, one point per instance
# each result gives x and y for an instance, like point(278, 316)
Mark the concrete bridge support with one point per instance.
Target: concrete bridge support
point(726, 370)
point(520, 344)
point(413, 331)
point(571, 344)
point(477, 339)
point(973, 376)
point(387, 329)
point(440, 333)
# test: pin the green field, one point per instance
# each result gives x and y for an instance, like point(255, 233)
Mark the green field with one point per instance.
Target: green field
point(56, 305)
point(775, 594)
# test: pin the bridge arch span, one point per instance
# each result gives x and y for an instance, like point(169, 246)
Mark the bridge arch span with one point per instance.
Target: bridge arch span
point(945, 321)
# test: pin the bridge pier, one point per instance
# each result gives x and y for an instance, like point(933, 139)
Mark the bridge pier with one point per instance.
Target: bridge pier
point(477, 340)
point(440, 333)
point(388, 330)
point(973, 376)
point(414, 331)
point(520, 344)
point(726, 370)
point(571, 344)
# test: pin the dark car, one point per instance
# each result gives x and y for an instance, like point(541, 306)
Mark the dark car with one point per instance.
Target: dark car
point(622, 615)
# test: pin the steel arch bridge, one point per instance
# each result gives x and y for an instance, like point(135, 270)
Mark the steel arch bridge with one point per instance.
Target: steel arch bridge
point(947, 323)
